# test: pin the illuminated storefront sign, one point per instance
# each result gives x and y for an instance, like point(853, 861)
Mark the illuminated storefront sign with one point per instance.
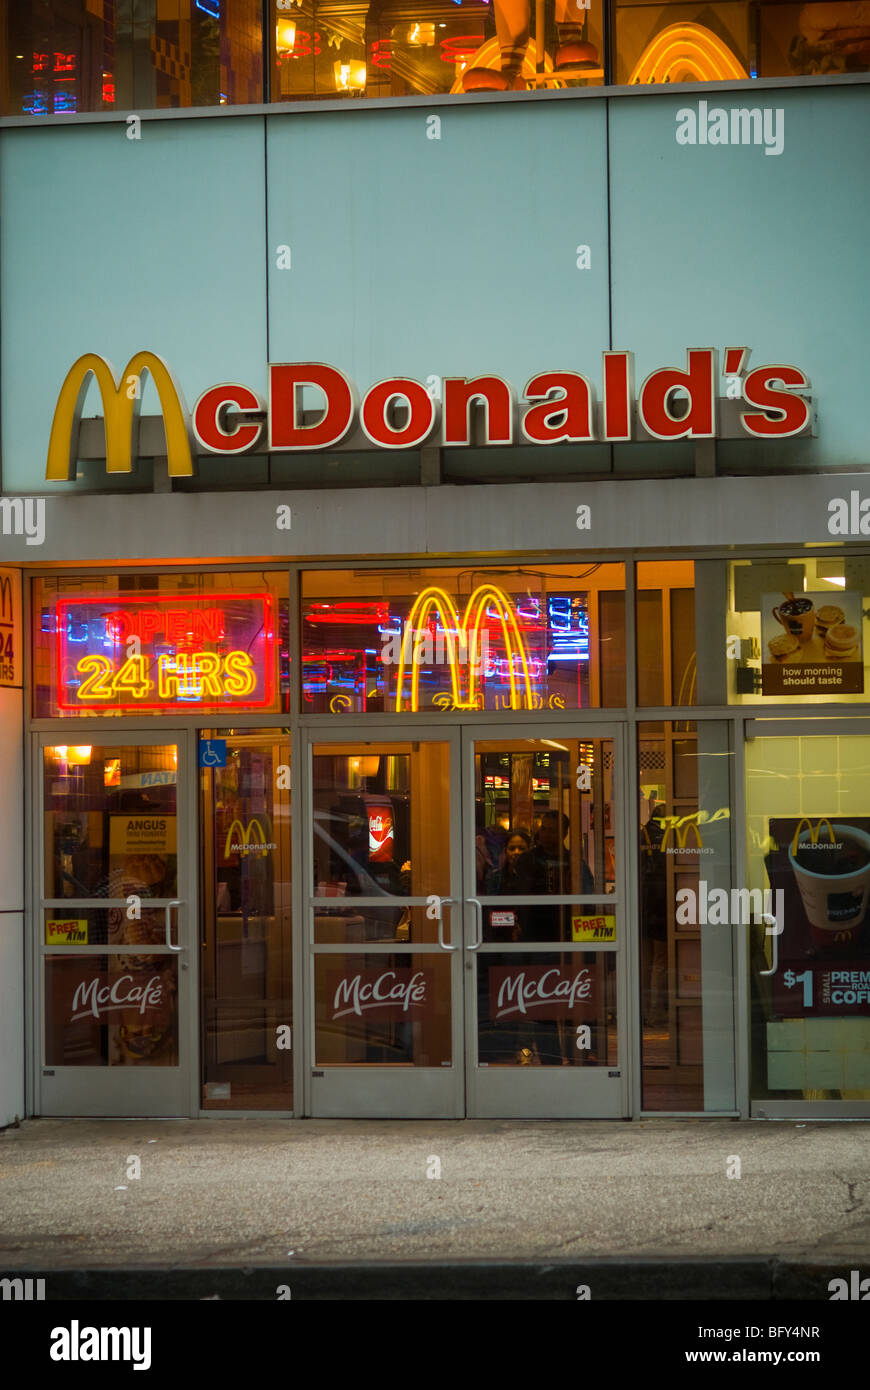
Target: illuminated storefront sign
point(166, 653)
point(401, 413)
point(436, 650)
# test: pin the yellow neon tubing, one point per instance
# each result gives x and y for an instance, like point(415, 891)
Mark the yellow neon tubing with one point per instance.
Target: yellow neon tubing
point(477, 603)
point(433, 597)
point(699, 50)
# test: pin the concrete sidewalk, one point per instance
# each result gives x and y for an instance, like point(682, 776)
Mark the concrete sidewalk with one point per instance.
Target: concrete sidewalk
point(315, 1195)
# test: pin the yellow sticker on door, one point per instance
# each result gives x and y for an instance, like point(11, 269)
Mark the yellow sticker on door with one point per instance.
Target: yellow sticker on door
point(601, 928)
point(66, 931)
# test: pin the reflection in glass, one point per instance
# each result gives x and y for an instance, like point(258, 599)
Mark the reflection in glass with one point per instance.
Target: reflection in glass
point(105, 55)
point(381, 825)
point(247, 957)
point(687, 1050)
point(111, 827)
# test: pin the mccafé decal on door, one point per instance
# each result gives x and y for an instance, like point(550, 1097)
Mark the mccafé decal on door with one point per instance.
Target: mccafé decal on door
point(557, 407)
point(391, 995)
point(541, 991)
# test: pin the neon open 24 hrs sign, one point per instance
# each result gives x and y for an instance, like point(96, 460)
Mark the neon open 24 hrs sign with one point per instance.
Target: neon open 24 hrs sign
point(165, 653)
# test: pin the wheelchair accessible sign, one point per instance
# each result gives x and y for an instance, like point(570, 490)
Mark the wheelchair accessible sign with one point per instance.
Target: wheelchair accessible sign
point(212, 752)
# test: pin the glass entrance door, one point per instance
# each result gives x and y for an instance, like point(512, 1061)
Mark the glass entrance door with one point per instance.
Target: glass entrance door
point(466, 925)
point(383, 889)
point(114, 926)
point(545, 942)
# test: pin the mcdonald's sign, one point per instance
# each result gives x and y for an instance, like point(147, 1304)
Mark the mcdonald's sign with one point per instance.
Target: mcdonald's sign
point(401, 413)
point(681, 831)
point(121, 397)
point(462, 636)
point(10, 627)
point(814, 832)
point(247, 839)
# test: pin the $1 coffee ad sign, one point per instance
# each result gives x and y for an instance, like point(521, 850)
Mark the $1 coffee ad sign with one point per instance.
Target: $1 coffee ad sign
point(811, 644)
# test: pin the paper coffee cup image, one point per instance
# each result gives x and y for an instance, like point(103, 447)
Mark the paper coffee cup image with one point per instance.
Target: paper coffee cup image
point(841, 643)
point(797, 617)
point(831, 864)
point(829, 615)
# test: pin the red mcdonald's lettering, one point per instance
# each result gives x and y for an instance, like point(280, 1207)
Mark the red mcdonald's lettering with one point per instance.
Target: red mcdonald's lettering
point(570, 413)
point(421, 412)
point(210, 429)
point(699, 382)
point(793, 412)
point(617, 375)
point(460, 391)
point(285, 383)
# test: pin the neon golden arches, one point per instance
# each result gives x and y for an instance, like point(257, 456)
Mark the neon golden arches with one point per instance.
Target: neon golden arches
point(433, 597)
point(484, 594)
point(475, 608)
point(688, 49)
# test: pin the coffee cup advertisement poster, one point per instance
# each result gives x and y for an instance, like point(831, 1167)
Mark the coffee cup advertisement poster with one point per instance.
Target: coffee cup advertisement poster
point(812, 644)
point(822, 866)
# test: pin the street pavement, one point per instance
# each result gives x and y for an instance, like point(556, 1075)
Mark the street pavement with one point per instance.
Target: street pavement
point(644, 1209)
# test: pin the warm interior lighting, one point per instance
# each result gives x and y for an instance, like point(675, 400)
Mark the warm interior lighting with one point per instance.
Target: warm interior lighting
point(350, 76)
point(421, 35)
point(687, 53)
point(836, 579)
point(285, 37)
point(79, 755)
point(365, 766)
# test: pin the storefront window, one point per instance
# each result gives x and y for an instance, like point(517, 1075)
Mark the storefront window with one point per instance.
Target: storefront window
point(66, 56)
point(797, 631)
point(686, 955)
point(160, 644)
point(808, 853)
point(518, 638)
point(680, 42)
point(389, 50)
point(667, 668)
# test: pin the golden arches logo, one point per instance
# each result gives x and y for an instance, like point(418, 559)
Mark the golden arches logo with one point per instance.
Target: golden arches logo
point(681, 835)
point(246, 839)
point(687, 53)
point(121, 415)
point(814, 832)
point(464, 632)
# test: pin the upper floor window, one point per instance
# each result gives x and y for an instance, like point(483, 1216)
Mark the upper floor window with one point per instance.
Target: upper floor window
point(66, 56)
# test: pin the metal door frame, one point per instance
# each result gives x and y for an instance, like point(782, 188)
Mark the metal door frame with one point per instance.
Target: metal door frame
point(148, 1095)
point(542, 1093)
point(379, 1092)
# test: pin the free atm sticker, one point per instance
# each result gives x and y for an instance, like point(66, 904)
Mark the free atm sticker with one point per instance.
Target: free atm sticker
point(601, 928)
point(66, 931)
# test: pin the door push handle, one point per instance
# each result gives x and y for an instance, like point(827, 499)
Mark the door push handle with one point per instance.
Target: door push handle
point(441, 942)
point(478, 917)
point(176, 902)
point(769, 922)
